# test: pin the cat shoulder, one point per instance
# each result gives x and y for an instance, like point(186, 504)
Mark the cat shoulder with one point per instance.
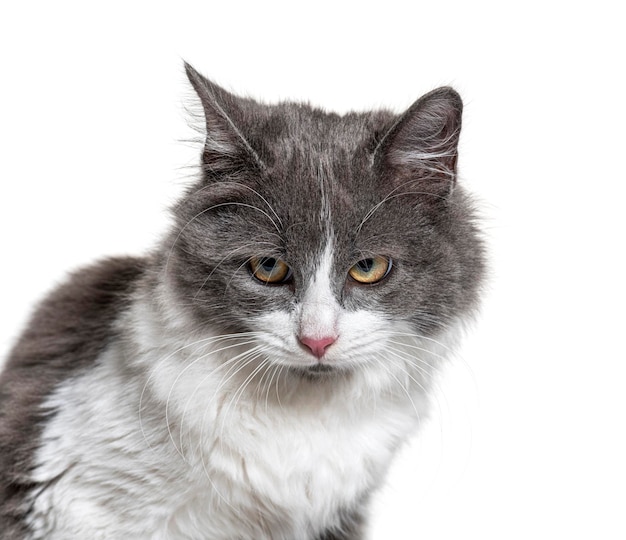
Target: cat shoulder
point(65, 335)
point(78, 315)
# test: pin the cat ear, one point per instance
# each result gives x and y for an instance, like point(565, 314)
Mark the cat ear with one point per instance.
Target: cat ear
point(422, 144)
point(226, 150)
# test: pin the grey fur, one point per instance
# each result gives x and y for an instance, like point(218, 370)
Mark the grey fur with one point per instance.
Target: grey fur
point(276, 180)
point(427, 224)
point(64, 337)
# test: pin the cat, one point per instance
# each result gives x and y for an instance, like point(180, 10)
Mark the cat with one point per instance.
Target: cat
point(253, 376)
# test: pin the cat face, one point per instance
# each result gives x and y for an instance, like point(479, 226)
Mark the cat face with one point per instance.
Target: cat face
point(323, 236)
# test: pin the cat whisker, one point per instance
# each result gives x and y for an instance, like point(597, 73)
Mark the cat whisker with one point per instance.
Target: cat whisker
point(415, 349)
point(210, 374)
point(418, 337)
point(244, 205)
point(424, 367)
point(262, 386)
point(251, 356)
point(225, 183)
point(353, 351)
point(408, 360)
point(258, 195)
point(375, 208)
point(242, 387)
point(243, 360)
point(405, 390)
point(393, 194)
point(203, 342)
point(449, 351)
point(206, 210)
point(265, 384)
point(282, 367)
point(276, 369)
point(227, 286)
point(228, 256)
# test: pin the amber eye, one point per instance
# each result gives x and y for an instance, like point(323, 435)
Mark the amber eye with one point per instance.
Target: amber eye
point(269, 270)
point(370, 270)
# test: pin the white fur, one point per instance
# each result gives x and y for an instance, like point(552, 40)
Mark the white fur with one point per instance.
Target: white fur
point(318, 314)
point(180, 436)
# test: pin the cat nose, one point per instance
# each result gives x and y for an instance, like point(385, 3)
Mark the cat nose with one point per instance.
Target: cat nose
point(318, 346)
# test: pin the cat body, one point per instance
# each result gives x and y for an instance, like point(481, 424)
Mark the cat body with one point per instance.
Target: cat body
point(254, 376)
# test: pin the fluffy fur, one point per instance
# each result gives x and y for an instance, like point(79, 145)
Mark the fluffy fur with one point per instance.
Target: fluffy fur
point(174, 396)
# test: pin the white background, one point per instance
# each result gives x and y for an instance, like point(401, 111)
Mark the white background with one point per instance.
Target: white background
point(528, 436)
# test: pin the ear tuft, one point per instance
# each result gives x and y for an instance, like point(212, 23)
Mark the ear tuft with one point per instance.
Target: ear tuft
point(423, 143)
point(226, 148)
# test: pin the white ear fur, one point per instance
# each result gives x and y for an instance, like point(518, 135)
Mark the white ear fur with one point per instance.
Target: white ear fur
point(425, 138)
point(225, 143)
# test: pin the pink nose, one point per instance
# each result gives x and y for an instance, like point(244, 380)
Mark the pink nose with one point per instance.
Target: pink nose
point(318, 346)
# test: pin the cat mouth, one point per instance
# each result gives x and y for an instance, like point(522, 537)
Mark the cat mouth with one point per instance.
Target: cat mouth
point(320, 368)
point(316, 371)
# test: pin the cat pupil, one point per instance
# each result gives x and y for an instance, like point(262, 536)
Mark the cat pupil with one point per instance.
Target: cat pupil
point(268, 263)
point(366, 265)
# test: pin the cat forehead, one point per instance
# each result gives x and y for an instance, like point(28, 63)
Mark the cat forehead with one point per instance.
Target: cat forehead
point(315, 158)
point(292, 130)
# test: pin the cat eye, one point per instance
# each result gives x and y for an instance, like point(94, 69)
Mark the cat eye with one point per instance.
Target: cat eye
point(371, 270)
point(269, 270)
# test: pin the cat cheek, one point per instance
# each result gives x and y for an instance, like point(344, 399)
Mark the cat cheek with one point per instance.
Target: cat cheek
point(277, 330)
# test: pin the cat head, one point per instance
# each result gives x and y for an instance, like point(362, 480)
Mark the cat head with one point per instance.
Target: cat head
point(321, 236)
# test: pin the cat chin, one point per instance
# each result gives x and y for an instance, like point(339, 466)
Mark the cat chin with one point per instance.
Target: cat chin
point(319, 372)
point(335, 367)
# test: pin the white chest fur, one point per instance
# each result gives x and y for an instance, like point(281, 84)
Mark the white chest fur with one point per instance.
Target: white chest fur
point(204, 460)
